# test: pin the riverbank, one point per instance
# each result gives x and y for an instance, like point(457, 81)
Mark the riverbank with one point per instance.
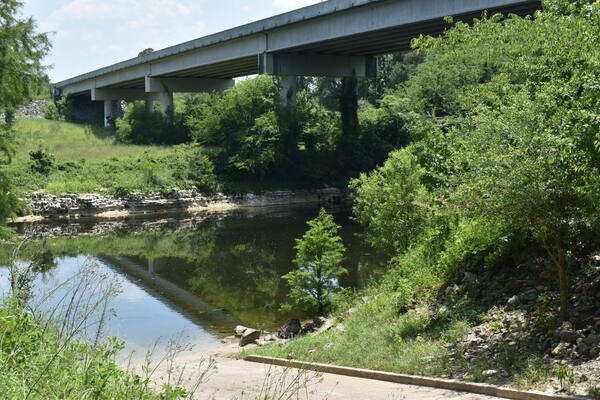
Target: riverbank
point(43, 206)
point(498, 327)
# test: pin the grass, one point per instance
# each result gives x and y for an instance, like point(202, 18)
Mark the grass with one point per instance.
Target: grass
point(374, 337)
point(72, 142)
point(87, 160)
point(424, 340)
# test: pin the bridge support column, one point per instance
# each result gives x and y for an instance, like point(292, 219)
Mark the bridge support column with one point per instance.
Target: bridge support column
point(288, 89)
point(149, 105)
point(112, 108)
point(108, 110)
point(166, 101)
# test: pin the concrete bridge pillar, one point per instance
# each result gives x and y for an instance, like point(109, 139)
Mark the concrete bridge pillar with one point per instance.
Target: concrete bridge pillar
point(288, 89)
point(149, 105)
point(168, 107)
point(108, 112)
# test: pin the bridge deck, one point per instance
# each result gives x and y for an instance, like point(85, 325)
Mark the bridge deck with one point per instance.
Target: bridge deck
point(334, 27)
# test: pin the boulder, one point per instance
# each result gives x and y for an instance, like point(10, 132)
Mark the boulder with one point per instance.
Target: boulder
point(560, 349)
point(514, 301)
point(308, 328)
point(249, 336)
point(239, 330)
point(290, 329)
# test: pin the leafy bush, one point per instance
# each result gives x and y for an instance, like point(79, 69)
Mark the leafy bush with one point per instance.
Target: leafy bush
point(392, 203)
point(244, 123)
point(9, 115)
point(142, 126)
point(319, 260)
point(60, 110)
point(505, 138)
point(200, 169)
point(51, 112)
point(43, 162)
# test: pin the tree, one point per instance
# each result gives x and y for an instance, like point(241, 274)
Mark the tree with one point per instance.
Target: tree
point(515, 103)
point(21, 75)
point(21, 53)
point(243, 126)
point(145, 52)
point(319, 260)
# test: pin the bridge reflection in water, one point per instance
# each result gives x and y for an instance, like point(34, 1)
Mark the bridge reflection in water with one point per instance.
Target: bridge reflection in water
point(193, 277)
point(216, 321)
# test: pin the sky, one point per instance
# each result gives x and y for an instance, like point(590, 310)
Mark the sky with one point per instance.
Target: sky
point(90, 34)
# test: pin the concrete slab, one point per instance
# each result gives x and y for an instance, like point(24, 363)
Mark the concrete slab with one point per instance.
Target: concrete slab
point(238, 379)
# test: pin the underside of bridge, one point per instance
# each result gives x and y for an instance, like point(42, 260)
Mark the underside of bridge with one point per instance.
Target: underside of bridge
point(287, 50)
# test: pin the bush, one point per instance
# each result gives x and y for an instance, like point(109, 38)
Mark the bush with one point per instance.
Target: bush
point(244, 123)
point(392, 203)
point(505, 138)
point(43, 162)
point(200, 169)
point(141, 126)
point(60, 110)
point(51, 112)
point(9, 115)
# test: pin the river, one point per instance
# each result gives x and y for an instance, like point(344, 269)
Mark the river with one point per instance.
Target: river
point(187, 278)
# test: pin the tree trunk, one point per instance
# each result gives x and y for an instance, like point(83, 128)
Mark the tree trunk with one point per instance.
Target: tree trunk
point(564, 286)
point(557, 254)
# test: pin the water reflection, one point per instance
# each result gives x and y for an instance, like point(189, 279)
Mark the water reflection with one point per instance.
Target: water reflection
point(201, 277)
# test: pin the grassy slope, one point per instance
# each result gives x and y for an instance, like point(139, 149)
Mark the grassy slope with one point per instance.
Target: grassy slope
point(87, 160)
point(72, 142)
point(432, 337)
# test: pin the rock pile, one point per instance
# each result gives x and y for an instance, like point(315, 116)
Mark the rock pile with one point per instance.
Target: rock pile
point(33, 109)
point(528, 324)
point(289, 330)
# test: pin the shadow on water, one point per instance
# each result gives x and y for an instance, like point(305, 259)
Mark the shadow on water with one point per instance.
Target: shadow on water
point(203, 274)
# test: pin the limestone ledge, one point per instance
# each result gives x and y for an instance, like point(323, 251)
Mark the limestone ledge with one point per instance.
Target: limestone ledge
point(46, 206)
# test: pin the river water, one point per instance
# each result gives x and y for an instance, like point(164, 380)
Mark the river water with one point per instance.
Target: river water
point(189, 279)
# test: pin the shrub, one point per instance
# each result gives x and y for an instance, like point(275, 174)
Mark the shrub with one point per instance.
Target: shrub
point(9, 115)
point(505, 137)
point(60, 110)
point(51, 112)
point(244, 123)
point(200, 169)
point(142, 126)
point(43, 162)
point(392, 203)
point(319, 260)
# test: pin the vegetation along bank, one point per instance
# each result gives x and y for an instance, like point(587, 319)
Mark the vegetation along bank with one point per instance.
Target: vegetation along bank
point(475, 166)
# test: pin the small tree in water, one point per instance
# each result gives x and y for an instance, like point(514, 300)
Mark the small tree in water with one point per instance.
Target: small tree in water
point(319, 260)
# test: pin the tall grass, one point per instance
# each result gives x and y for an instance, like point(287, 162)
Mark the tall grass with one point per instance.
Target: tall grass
point(52, 345)
point(72, 142)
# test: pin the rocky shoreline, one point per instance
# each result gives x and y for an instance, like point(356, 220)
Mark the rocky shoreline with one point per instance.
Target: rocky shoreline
point(42, 206)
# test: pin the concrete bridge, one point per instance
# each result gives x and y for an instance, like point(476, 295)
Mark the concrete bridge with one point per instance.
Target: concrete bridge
point(336, 38)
